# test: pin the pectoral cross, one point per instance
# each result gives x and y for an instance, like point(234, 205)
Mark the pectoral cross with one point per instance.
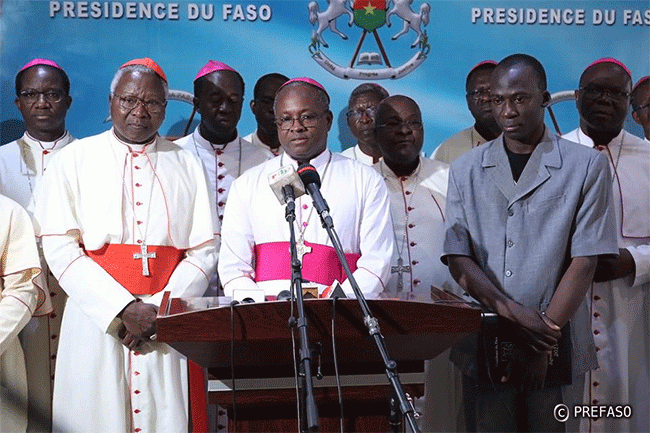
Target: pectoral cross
point(144, 256)
point(302, 249)
point(400, 269)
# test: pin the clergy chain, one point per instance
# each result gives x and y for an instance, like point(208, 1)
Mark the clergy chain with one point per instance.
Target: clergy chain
point(400, 250)
point(609, 154)
point(128, 197)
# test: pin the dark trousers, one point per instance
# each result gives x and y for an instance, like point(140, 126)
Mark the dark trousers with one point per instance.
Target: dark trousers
point(502, 408)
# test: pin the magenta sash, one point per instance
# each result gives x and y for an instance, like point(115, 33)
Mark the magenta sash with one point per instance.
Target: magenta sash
point(321, 265)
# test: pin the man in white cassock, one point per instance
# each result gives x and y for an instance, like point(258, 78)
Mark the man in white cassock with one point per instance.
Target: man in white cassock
point(218, 97)
point(43, 98)
point(417, 188)
point(255, 249)
point(124, 216)
point(362, 107)
point(19, 266)
point(266, 134)
point(619, 301)
point(485, 128)
point(640, 100)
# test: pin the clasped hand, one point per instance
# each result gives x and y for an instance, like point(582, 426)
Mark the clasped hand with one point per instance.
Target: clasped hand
point(541, 334)
point(138, 324)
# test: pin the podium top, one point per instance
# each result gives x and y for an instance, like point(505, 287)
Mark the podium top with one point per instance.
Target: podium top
point(413, 331)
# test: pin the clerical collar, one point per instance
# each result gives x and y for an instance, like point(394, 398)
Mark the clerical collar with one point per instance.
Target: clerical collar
point(204, 143)
point(46, 144)
point(133, 147)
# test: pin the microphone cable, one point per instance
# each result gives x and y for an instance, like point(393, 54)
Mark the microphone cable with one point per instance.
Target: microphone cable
point(336, 364)
point(292, 327)
point(232, 366)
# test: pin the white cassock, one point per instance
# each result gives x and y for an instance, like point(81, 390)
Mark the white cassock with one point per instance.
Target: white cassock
point(100, 191)
point(223, 163)
point(357, 154)
point(254, 222)
point(254, 139)
point(19, 265)
point(417, 204)
point(449, 150)
point(22, 164)
point(620, 309)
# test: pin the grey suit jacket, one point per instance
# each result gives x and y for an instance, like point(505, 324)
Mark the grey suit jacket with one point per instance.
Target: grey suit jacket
point(524, 234)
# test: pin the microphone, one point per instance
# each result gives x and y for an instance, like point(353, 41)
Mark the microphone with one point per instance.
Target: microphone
point(285, 177)
point(311, 180)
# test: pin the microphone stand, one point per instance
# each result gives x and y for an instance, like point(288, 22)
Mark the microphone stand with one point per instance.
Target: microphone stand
point(307, 404)
point(372, 324)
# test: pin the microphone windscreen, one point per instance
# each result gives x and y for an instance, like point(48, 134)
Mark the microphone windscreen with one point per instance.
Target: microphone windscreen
point(283, 177)
point(308, 174)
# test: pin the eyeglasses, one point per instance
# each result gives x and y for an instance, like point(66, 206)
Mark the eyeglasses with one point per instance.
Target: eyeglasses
point(640, 107)
point(358, 114)
point(479, 94)
point(51, 96)
point(307, 120)
point(130, 102)
point(394, 125)
point(595, 92)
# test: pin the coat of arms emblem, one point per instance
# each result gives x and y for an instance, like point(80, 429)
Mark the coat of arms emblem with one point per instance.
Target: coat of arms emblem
point(369, 16)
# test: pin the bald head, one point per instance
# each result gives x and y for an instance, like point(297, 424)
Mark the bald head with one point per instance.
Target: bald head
point(322, 101)
point(603, 99)
point(399, 133)
point(389, 106)
point(303, 120)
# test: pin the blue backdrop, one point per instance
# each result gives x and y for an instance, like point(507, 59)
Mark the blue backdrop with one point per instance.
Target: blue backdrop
point(91, 39)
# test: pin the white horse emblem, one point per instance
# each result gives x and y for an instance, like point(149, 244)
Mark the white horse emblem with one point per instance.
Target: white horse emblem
point(326, 19)
point(369, 16)
point(402, 8)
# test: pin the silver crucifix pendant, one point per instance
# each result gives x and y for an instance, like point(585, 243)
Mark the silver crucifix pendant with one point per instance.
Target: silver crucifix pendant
point(400, 269)
point(302, 249)
point(144, 256)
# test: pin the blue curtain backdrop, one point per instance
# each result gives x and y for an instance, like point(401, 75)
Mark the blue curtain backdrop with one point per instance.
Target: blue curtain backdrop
point(91, 39)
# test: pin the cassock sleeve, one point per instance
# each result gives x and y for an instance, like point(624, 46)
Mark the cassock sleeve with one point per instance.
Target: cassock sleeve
point(376, 241)
point(87, 284)
point(237, 243)
point(641, 256)
point(19, 267)
point(192, 275)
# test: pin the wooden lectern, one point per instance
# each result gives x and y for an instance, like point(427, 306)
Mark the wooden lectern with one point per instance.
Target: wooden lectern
point(413, 332)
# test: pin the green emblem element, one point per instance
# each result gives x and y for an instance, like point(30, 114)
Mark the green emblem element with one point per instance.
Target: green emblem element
point(369, 14)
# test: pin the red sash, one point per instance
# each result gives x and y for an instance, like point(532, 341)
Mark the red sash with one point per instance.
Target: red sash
point(321, 265)
point(118, 261)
